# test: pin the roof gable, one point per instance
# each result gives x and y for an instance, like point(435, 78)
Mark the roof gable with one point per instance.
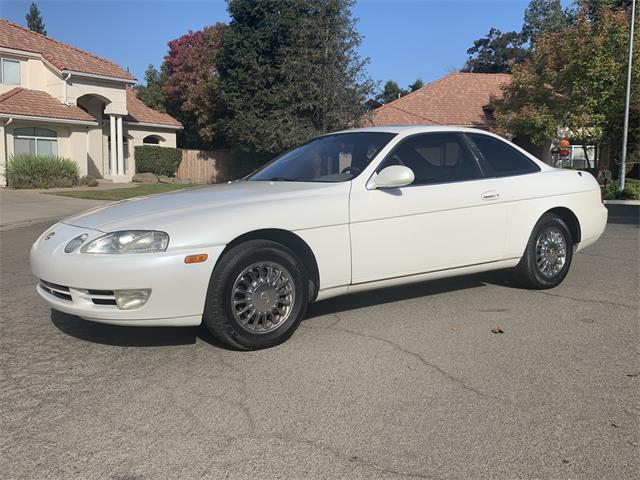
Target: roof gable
point(456, 99)
point(60, 55)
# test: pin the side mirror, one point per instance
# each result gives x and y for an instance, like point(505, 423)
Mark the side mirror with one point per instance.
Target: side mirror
point(393, 176)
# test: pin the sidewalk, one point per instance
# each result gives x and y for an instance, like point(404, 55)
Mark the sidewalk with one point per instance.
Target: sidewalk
point(23, 207)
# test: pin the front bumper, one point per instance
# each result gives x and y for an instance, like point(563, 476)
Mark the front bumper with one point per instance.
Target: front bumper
point(83, 284)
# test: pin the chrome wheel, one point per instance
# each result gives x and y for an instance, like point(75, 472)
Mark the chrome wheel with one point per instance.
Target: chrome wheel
point(551, 251)
point(262, 297)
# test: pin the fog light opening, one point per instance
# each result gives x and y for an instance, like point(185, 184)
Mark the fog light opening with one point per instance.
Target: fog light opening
point(130, 299)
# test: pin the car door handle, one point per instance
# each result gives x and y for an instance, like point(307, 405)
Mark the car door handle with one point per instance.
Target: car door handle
point(490, 195)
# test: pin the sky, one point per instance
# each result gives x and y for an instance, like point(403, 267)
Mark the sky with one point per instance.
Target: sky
point(404, 40)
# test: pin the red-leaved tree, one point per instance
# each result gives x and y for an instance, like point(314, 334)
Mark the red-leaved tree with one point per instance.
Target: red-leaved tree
point(191, 88)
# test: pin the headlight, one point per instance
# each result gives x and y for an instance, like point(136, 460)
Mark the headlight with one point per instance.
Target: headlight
point(129, 241)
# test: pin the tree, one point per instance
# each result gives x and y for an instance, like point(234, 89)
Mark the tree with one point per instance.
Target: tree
point(417, 85)
point(542, 16)
point(34, 20)
point(391, 92)
point(290, 71)
point(496, 52)
point(575, 80)
point(152, 93)
point(190, 84)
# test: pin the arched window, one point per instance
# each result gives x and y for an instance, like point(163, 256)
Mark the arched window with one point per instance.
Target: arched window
point(151, 140)
point(35, 141)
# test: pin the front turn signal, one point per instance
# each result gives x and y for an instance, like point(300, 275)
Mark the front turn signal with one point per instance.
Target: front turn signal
point(199, 258)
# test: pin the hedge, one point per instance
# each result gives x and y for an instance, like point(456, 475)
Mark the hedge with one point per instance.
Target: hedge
point(46, 171)
point(158, 160)
point(631, 190)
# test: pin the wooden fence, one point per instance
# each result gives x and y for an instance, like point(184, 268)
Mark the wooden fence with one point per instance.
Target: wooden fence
point(202, 166)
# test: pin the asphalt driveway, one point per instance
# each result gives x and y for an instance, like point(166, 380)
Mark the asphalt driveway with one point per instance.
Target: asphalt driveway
point(401, 383)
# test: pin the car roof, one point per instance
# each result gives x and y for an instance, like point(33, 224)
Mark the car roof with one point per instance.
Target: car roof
point(414, 129)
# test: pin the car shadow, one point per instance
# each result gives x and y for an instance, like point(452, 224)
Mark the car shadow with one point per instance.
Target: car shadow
point(125, 336)
point(405, 292)
point(115, 335)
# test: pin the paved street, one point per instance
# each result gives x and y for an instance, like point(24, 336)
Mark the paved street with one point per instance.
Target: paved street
point(401, 383)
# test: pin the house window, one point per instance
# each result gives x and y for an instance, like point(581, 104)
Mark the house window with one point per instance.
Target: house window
point(151, 140)
point(35, 141)
point(9, 72)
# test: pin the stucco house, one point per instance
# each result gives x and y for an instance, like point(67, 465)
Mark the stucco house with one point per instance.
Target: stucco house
point(58, 99)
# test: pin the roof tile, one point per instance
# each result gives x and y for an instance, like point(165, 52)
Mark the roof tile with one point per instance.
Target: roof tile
point(60, 55)
point(456, 99)
point(139, 112)
point(33, 103)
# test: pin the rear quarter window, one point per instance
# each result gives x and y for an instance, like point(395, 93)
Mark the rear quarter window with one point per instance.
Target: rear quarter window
point(502, 158)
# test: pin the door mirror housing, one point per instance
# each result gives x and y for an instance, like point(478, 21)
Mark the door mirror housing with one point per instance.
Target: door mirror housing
point(393, 176)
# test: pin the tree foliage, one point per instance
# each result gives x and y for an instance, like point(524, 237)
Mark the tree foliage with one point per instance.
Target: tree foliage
point(496, 52)
point(390, 92)
point(152, 92)
point(417, 85)
point(290, 71)
point(543, 16)
point(34, 19)
point(190, 84)
point(576, 79)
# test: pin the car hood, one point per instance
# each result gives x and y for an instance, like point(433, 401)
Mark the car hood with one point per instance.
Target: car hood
point(251, 203)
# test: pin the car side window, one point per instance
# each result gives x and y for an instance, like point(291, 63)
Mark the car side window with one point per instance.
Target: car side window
point(503, 159)
point(435, 158)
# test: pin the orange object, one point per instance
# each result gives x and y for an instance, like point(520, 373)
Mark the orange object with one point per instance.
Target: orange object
point(198, 258)
point(564, 143)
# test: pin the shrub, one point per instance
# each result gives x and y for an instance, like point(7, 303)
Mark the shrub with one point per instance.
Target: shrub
point(89, 181)
point(631, 190)
point(47, 171)
point(158, 160)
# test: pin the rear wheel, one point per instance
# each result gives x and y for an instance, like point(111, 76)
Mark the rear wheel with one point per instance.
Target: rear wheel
point(548, 255)
point(257, 297)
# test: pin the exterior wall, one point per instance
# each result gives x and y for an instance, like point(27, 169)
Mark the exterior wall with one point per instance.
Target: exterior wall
point(3, 155)
point(72, 141)
point(115, 94)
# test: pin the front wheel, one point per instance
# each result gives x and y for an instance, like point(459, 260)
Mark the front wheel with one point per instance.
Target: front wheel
point(548, 255)
point(257, 297)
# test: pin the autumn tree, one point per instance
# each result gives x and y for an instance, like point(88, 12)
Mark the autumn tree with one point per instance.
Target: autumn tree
point(190, 84)
point(290, 71)
point(576, 79)
point(34, 19)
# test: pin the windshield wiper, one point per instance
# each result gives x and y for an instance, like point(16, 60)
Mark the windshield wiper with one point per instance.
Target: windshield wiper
point(282, 179)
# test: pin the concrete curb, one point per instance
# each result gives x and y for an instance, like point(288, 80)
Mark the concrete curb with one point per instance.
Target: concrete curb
point(622, 202)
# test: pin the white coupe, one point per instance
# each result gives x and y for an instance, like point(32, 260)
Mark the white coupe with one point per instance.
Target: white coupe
point(346, 212)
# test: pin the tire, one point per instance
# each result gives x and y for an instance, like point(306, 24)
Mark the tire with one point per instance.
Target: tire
point(242, 283)
point(531, 271)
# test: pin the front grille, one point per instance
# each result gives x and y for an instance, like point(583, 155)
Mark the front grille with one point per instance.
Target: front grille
point(103, 301)
point(59, 291)
point(97, 297)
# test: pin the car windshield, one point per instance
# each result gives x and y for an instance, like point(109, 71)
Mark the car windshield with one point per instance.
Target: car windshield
point(332, 158)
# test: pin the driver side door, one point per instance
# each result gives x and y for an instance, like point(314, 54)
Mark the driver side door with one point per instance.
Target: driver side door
point(449, 217)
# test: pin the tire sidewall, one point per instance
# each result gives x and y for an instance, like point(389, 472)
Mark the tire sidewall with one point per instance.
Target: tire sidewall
point(220, 290)
point(546, 221)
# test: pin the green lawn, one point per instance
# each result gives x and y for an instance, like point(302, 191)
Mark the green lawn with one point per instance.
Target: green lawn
point(122, 193)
